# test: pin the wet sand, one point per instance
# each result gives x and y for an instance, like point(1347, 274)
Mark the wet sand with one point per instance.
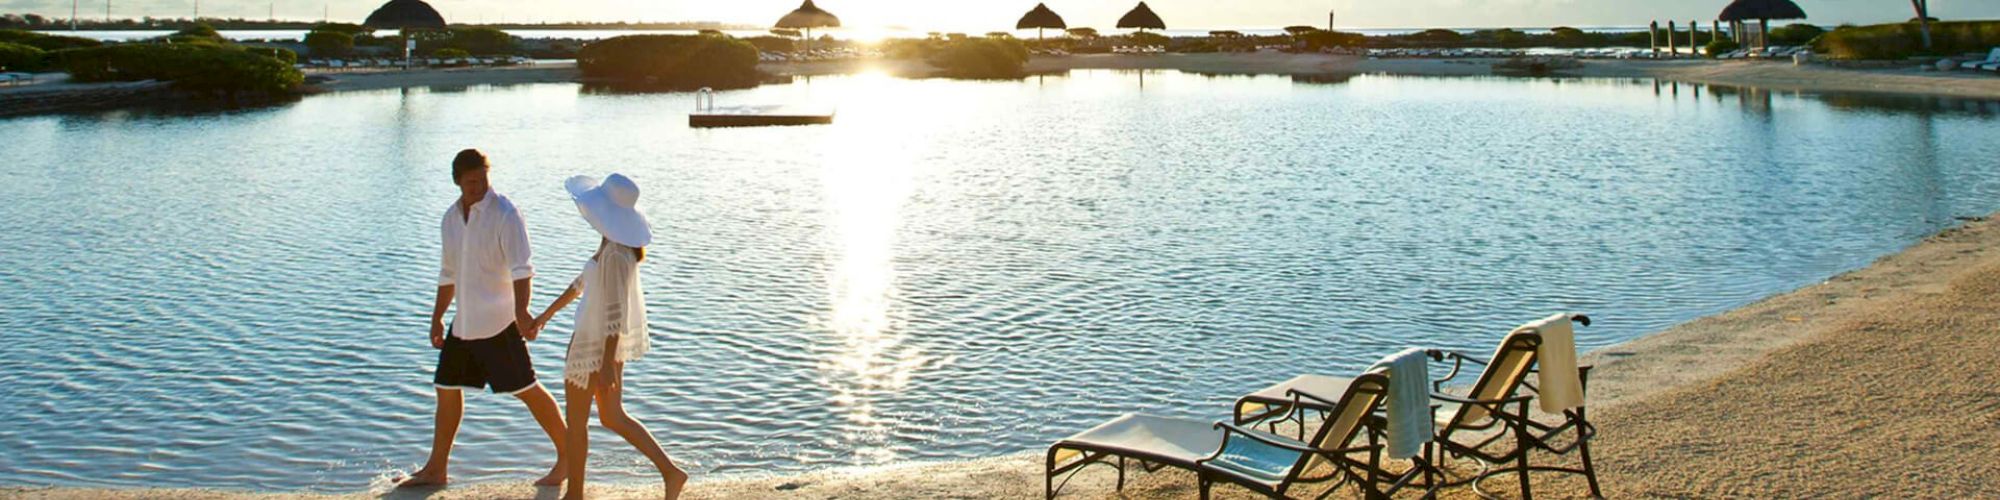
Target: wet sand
point(1876, 382)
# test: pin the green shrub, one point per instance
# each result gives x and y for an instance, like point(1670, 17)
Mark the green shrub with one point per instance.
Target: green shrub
point(1796, 34)
point(1902, 40)
point(980, 58)
point(772, 43)
point(1438, 35)
point(198, 30)
point(671, 61)
point(329, 43)
point(281, 54)
point(197, 67)
point(481, 41)
point(18, 57)
point(450, 53)
point(1719, 47)
point(46, 42)
point(1323, 39)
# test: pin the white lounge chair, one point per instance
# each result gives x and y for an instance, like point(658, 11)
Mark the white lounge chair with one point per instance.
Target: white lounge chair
point(1263, 462)
point(1992, 61)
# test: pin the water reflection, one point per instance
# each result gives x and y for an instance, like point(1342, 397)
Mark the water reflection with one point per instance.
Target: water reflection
point(867, 179)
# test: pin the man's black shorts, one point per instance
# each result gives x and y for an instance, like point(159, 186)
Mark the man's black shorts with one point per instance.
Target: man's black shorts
point(500, 362)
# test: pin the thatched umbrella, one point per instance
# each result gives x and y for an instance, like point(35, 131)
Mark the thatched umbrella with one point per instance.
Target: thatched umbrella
point(1142, 17)
point(1763, 11)
point(1040, 18)
point(405, 15)
point(807, 17)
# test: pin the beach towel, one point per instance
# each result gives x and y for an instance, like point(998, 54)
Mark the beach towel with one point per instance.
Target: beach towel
point(1409, 402)
point(1560, 388)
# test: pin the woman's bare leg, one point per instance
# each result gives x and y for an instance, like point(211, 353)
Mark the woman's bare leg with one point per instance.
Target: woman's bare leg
point(611, 411)
point(577, 445)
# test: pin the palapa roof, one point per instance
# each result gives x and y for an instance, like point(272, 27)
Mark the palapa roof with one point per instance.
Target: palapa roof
point(1142, 17)
point(809, 16)
point(1750, 10)
point(405, 14)
point(1040, 17)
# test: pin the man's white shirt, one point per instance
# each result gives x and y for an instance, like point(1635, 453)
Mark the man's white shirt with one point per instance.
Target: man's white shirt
point(483, 256)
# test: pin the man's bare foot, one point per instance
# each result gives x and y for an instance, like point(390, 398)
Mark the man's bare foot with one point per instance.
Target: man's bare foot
point(555, 476)
point(675, 480)
point(424, 478)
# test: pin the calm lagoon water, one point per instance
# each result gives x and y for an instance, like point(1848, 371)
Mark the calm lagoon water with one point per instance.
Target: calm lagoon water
point(952, 270)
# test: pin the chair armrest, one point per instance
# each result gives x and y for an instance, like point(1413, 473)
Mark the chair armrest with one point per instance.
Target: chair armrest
point(1470, 401)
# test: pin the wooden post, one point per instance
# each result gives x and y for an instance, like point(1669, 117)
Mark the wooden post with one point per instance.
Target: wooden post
point(1715, 30)
point(1694, 45)
point(1653, 38)
point(1672, 50)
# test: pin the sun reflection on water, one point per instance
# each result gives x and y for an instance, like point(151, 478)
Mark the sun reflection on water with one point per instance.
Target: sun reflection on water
point(867, 179)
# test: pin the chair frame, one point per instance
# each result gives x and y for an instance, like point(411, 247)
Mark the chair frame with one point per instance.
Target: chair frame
point(1369, 476)
point(1528, 434)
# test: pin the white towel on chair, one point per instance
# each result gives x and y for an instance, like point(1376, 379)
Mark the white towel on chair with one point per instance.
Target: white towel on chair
point(1409, 402)
point(1559, 387)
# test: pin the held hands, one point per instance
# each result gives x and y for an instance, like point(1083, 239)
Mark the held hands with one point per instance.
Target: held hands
point(530, 327)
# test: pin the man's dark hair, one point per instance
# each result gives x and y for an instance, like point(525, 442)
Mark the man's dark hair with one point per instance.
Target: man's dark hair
point(467, 161)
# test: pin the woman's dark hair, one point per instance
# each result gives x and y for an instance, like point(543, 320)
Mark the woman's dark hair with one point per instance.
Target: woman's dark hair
point(467, 161)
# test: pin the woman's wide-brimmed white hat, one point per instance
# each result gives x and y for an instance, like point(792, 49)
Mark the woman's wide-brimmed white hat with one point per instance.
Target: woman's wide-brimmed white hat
point(611, 207)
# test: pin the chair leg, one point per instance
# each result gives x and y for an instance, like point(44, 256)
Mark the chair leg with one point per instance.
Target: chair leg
point(1049, 477)
point(1204, 486)
point(1121, 473)
point(1374, 464)
point(1521, 448)
point(1589, 471)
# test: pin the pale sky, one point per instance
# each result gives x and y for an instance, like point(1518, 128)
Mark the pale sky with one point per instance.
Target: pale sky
point(991, 15)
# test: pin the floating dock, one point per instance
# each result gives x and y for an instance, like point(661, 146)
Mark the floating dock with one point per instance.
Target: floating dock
point(756, 116)
point(707, 115)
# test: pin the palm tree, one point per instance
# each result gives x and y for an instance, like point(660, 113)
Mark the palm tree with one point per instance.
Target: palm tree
point(1923, 19)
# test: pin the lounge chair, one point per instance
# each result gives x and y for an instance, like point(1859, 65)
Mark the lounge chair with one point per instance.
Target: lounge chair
point(1485, 408)
point(1225, 452)
point(1992, 61)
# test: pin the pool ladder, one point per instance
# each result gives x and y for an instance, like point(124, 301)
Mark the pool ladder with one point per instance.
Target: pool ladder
point(704, 100)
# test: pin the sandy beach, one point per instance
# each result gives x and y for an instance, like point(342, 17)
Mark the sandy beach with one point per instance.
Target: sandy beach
point(1810, 393)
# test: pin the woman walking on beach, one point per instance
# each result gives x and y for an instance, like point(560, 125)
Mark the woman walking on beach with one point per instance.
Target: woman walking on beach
point(610, 328)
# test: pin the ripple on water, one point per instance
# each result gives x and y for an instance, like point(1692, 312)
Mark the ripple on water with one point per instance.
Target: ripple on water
point(891, 289)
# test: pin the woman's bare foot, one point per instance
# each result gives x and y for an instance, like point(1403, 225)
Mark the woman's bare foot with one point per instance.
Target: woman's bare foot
point(424, 478)
point(675, 480)
point(555, 476)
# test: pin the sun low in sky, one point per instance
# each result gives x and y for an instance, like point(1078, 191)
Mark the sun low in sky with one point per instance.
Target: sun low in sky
point(978, 16)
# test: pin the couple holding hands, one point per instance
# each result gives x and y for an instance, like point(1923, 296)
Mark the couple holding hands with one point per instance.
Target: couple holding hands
point(486, 271)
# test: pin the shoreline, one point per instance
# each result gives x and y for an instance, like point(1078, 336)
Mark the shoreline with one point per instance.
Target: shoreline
point(1640, 391)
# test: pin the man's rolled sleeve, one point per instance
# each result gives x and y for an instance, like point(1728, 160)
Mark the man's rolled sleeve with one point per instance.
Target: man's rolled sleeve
point(448, 269)
point(514, 243)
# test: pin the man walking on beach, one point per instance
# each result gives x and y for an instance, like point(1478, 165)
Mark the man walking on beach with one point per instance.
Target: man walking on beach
point(486, 269)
